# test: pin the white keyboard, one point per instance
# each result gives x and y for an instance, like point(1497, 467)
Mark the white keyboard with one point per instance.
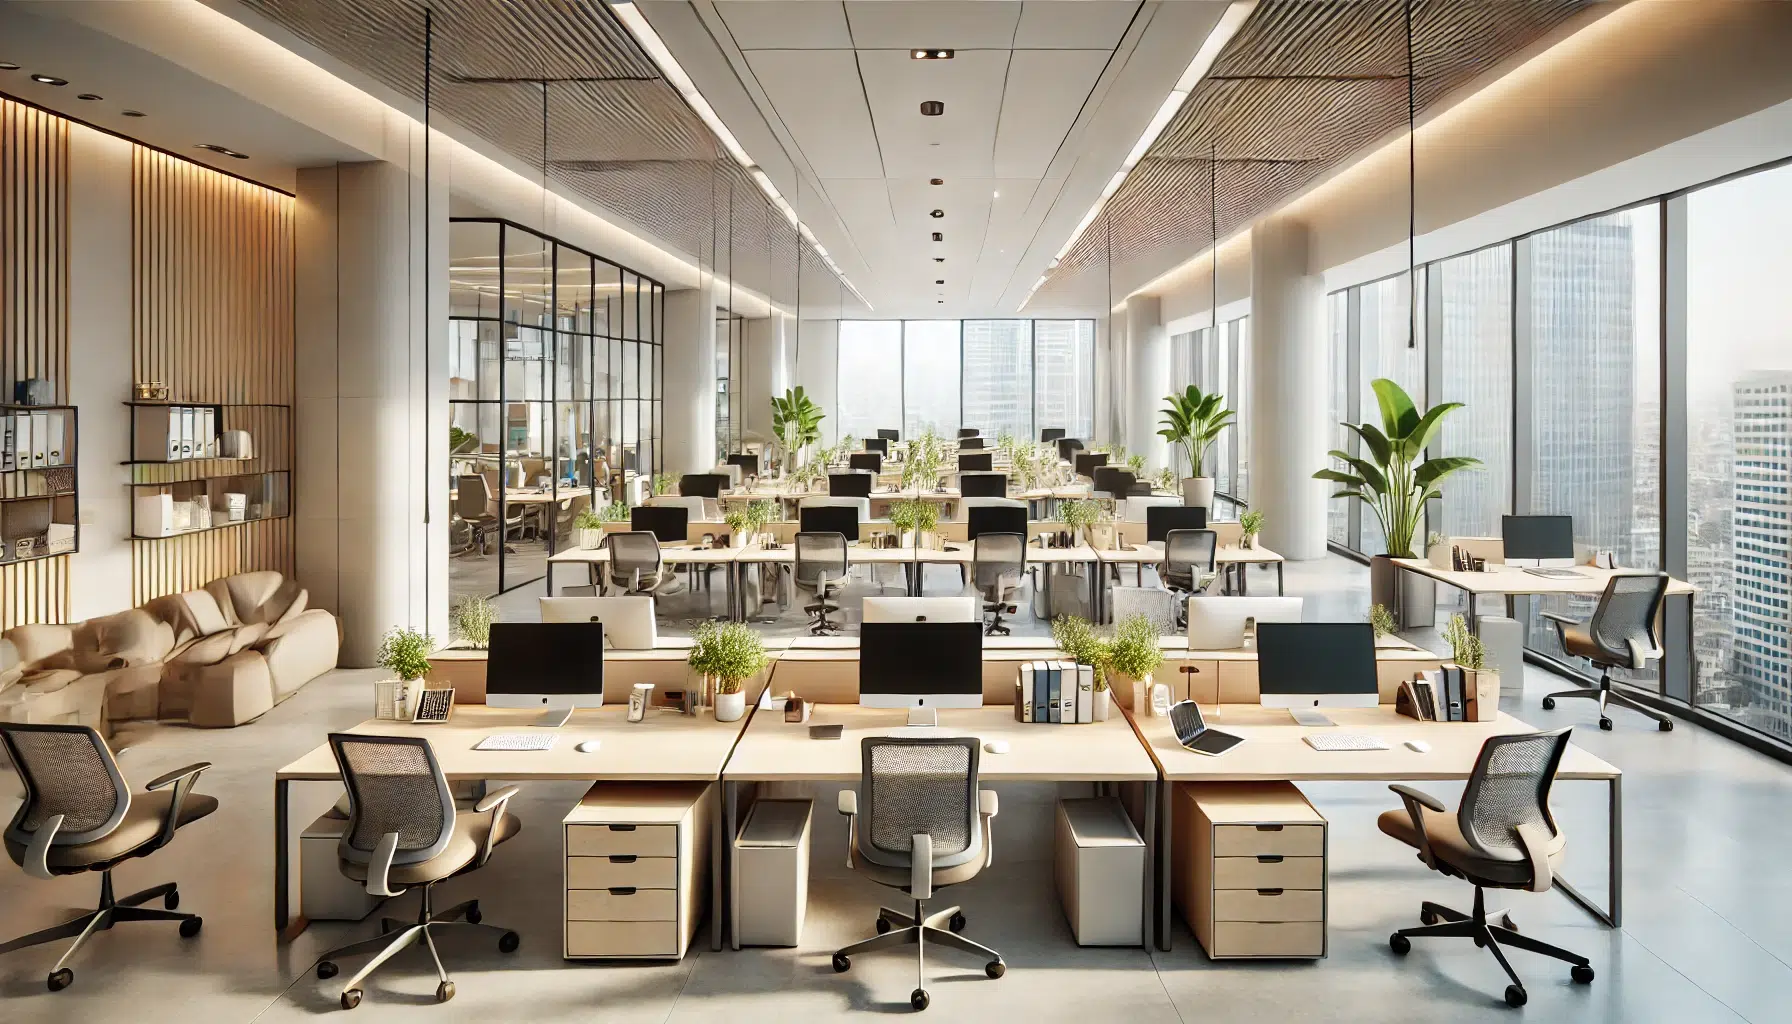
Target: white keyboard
point(543, 740)
point(1344, 741)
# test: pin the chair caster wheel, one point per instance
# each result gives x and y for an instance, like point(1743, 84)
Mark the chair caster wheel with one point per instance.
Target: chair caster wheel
point(508, 942)
point(957, 923)
point(842, 963)
point(918, 999)
point(326, 970)
point(444, 991)
point(1549, 703)
point(1515, 995)
point(1507, 923)
point(351, 999)
point(1399, 944)
point(172, 900)
point(190, 927)
point(883, 925)
point(1480, 942)
point(473, 914)
point(1426, 917)
point(1665, 726)
point(1582, 974)
point(995, 968)
point(62, 979)
point(1605, 724)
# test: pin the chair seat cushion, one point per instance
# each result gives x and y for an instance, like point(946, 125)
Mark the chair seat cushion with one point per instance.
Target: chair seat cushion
point(1578, 642)
point(463, 848)
point(899, 877)
point(141, 824)
point(1444, 834)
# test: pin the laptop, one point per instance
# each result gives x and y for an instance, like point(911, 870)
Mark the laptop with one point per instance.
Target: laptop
point(1192, 731)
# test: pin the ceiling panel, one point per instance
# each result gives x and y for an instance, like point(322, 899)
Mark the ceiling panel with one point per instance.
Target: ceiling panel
point(1073, 24)
point(1043, 94)
point(786, 24)
point(817, 95)
point(959, 143)
point(909, 24)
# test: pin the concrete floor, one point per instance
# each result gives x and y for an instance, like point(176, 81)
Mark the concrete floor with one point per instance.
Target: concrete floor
point(1707, 934)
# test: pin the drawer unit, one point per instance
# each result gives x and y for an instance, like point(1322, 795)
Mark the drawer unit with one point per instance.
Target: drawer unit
point(1248, 868)
point(637, 868)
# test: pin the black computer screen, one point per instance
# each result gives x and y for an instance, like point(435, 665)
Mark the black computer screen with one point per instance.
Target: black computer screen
point(1161, 519)
point(889, 435)
point(1050, 434)
point(1316, 657)
point(749, 464)
point(995, 520)
point(1068, 446)
point(983, 485)
point(866, 460)
point(1538, 536)
point(964, 432)
point(880, 445)
point(669, 523)
point(921, 658)
point(850, 485)
point(981, 462)
point(546, 657)
point(971, 444)
point(830, 519)
point(1088, 462)
point(702, 485)
point(1114, 480)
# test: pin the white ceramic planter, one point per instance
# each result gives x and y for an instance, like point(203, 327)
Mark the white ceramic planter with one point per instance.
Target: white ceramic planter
point(590, 539)
point(1098, 705)
point(1197, 492)
point(731, 706)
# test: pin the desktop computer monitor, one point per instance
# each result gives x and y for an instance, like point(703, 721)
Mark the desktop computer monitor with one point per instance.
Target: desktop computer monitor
point(1049, 434)
point(982, 462)
point(554, 665)
point(1088, 462)
point(1068, 446)
point(856, 484)
point(983, 485)
point(702, 485)
point(1316, 665)
point(1161, 519)
point(970, 444)
point(921, 664)
point(1225, 623)
point(1113, 480)
point(889, 435)
point(627, 621)
point(749, 464)
point(996, 519)
point(670, 524)
point(964, 432)
point(880, 445)
point(1538, 540)
point(871, 461)
point(921, 609)
point(830, 519)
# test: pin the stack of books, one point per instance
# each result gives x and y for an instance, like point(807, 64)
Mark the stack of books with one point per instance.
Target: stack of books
point(1435, 695)
point(1055, 693)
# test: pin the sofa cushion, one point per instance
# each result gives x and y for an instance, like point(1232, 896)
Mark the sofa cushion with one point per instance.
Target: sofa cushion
point(36, 641)
point(260, 596)
point(85, 662)
point(203, 612)
point(221, 594)
point(136, 637)
point(301, 601)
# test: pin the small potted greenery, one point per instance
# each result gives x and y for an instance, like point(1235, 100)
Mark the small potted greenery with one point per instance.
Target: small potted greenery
point(1480, 683)
point(1079, 642)
point(917, 519)
point(470, 623)
point(1249, 526)
point(1135, 464)
point(405, 654)
point(588, 528)
point(727, 655)
point(1091, 519)
point(1193, 421)
point(739, 517)
point(1133, 654)
point(1381, 619)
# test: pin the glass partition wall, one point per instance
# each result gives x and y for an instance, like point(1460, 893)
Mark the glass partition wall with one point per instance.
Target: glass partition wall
point(554, 369)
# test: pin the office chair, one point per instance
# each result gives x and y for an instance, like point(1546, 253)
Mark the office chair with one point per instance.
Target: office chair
point(926, 824)
point(1502, 836)
point(1621, 634)
point(635, 566)
point(475, 505)
point(821, 568)
point(78, 815)
point(403, 832)
point(998, 564)
point(1187, 554)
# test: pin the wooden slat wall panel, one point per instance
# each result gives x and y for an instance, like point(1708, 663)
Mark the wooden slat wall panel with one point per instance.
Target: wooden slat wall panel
point(212, 306)
point(34, 262)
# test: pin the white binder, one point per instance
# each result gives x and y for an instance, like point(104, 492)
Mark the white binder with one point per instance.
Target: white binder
point(7, 440)
point(21, 441)
point(1085, 694)
point(206, 445)
point(173, 432)
point(154, 515)
point(40, 440)
point(57, 456)
point(188, 429)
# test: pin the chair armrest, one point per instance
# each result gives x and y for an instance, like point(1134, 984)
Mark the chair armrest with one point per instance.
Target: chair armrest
point(497, 799)
point(1416, 802)
point(495, 803)
point(1566, 620)
point(182, 779)
point(380, 867)
point(37, 855)
point(1536, 850)
point(849, 806)
point(986, 808)
point(1423, 799)
point(920, 866)
point(163, 782)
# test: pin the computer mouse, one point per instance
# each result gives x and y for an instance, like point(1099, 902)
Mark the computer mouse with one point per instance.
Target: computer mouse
point(996, 746)
point(1419, 746)
point(589, 746)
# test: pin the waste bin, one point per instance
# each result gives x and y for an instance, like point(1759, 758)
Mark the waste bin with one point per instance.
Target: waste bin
point(771, 876)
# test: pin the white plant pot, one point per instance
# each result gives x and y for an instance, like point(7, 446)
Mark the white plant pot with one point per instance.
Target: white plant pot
point(590, 539)
point(1197, 492)
point(731, 706)
point(1098, 705)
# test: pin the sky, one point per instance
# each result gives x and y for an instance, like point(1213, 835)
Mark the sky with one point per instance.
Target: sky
point(1739, 282)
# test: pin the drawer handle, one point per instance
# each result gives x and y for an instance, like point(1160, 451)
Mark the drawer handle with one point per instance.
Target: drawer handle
point(622, 890)
point(621, 828)
point(1269, 828)
point(623, 858)
point(1270, 859)
point(1260, 892)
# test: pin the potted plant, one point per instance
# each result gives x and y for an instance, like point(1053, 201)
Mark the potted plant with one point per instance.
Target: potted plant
point(1079, 642)
point(1249, 526)
point(1480, 683)
point(1381, 620)
point(1395, 480)
point(588, 528)
point(470, 623)
point(1090, 518)
point(1192, 422)
point(405, 654)
point(662, 484)
point(796, 420)
point(916, 518)
point(727, 654)
point(1132, 655)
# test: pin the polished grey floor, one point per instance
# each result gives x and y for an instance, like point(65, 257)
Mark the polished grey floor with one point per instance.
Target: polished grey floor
point(1707, 934)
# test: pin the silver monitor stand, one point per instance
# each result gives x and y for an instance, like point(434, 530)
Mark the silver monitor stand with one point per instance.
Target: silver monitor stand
point(554, 718)
point(1310, 717)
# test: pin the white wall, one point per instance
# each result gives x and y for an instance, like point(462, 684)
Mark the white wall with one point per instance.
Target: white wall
point(815, 346)
point(690, 367)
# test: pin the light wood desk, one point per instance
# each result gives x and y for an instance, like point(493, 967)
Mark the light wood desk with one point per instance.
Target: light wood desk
point(856, 554)
point(772, 750)
point(1510, 581)
point(1226, 558)
point(671, 554)
point(966, 554)
point(1273, 750)
point(665, 747)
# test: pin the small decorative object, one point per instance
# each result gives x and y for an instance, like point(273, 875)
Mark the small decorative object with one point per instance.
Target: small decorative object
point(236, 506)
point(181, 518)
point(150, 391)
point(404, 653)
point(588, 527)
point(640, 698)
point(916, 518)
point(23, 547)
point(236, 444)
point(34, 391)
point(433, 707)
point(727, 655)
point(796, 709)
point(201, 515)
point(60, 539)
point(471, 622)
point(1250, 524)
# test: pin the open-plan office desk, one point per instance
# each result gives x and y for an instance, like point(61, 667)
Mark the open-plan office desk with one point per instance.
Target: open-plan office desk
point(666, 747)
point(772, 750)
point(1225, 559)
point(1510, 582)
point(671, 554)
point(1273, 751)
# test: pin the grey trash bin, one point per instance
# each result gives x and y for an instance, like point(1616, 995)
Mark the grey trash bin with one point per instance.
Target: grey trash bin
point(771, 876)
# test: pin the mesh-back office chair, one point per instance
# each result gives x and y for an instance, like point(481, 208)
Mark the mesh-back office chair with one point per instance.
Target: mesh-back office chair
point(820, 569)
point(1621, 634)
point(998, 564)
point(925, 824)
point(403, 831)
point(1502, 836)
point(474, 503)
point(1187, 555)
point(79, 815)
point(635, 566)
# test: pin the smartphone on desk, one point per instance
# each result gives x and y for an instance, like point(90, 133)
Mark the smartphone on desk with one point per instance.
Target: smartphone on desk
point(1192, 731)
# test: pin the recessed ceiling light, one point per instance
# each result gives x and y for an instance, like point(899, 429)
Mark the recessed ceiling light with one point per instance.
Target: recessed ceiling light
point(223, 151)
point(936, 181)
point(939, 259)
point(940, 281)
point(49, 80)
point(133, 113)
point(931, 54)
point(932, 108)
point(7, 65)
point(90, 96)
point(938, 237)
point(996, 195)
point(937, 214)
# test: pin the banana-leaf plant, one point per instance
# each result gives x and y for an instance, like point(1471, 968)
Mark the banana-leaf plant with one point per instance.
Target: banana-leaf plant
point(796, 420)
point(1393, 478)
point(1193, 421)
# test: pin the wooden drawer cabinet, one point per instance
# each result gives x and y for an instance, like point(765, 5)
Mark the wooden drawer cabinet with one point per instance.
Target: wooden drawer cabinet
point(1248, 868)
point(637, 868)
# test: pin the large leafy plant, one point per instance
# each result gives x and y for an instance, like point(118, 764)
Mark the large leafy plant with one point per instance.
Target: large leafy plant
point(796, 419)
point(1393, 478)
point(1192, 421)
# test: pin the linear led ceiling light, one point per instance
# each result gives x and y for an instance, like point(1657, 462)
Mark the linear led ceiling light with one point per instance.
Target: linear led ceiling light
point(631, 17)
point(1197, 69)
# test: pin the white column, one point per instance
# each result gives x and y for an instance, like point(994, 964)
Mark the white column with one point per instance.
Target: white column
point(765, 371)
point(371, 507)
point(1147, 377)
point(1288, 428)
point(815, 356)
point(690, 413)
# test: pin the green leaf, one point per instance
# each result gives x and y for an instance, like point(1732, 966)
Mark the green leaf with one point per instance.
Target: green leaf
point(1398, 415)
point(1427, 426)
point(1433, 470)
point(1379, 447)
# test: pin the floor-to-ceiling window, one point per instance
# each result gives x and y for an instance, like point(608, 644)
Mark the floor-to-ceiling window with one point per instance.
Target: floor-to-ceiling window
point(930, 377)
point(1064, 377)
point(1386, 347)
point(1337, 357)
point(868, 390)
point(998, 377)
point(1472, 300)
